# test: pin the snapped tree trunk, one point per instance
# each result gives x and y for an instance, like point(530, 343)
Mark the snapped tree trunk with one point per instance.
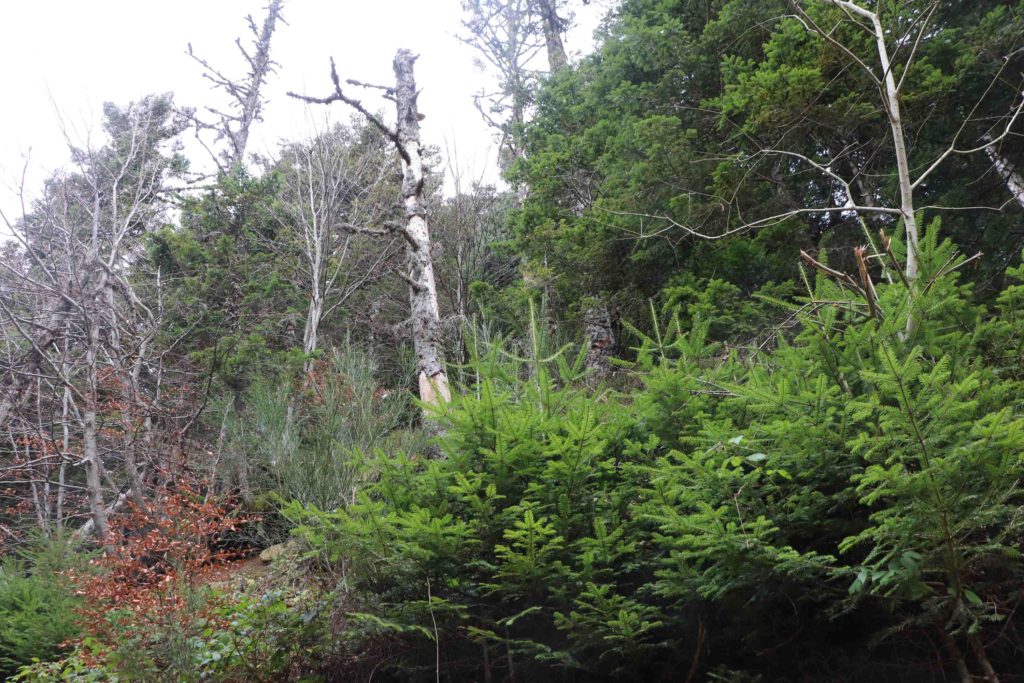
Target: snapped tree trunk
point(246, 93)
point(426, 317)
point(600, 332)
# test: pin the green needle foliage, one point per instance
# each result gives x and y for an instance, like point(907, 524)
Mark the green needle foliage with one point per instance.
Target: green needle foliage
point(843, 499)
point(37, 602)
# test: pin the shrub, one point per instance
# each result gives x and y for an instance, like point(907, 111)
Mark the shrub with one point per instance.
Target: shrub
point(141, 601)
point(300, 444)
point(37, 603)
point(843, 500)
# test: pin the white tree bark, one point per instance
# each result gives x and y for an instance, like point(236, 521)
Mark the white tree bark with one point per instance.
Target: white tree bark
point(892, 107)
point(426, 317)
point(330, 196)
point(246, 96)
point(1006, 170)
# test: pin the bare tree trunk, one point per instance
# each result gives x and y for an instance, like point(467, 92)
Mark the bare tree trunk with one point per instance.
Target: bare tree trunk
point(425, 314)
point(32, 360)
point(1006, 170)
point(131, 395)
point(241, 460)
point(65, 454)
point(246, 94)
point(93, 464)
point(891, 100)
point(261, 67)
point(37, 500)
point(900, 147)
point(87, 529)
point(311, 333)
point(325, 201)
point(954, 653)
point(426, 317)
point(986, 664)
point(138, 399)
point(41, 500)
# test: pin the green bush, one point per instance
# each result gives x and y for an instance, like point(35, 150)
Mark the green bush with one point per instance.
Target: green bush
point(842, 502)
point(249, 635)
point(72, 669)
point(260, 635)
point(300, 444)
point(37, 603)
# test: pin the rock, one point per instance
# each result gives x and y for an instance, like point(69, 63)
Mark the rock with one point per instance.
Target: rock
point(276, 551)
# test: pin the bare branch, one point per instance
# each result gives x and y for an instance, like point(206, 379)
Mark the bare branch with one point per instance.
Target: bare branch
point(340, 96)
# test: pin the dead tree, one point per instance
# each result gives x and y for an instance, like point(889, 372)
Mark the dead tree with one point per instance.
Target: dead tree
point(509, 35)
point(1007, 172)
point(425, 316)
point(234, 126)
point(333, 189)
point(245, 93)
point(89, 345)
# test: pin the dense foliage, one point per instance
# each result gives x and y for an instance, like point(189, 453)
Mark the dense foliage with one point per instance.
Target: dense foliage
point(685, 125)
point(37, 603)
point(802, 462)
point(823, 509)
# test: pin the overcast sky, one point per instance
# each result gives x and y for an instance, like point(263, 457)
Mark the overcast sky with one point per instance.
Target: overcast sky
point(71, 56)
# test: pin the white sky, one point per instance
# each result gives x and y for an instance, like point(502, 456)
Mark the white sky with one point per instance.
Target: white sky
point(70, 56)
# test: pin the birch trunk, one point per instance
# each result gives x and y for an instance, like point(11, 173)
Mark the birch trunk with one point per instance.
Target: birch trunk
point(311, 333)
point(426, 317)
point(892, 99)
point(1006, 170)
point(425, 314)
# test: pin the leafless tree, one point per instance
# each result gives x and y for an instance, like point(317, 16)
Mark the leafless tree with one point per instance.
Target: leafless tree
point(334, 199)
point(414, 230)
point(246, 107)
point(78, 331)
point(889, 76)
point(235, 125)
point(884, 75)
point(508, 36)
